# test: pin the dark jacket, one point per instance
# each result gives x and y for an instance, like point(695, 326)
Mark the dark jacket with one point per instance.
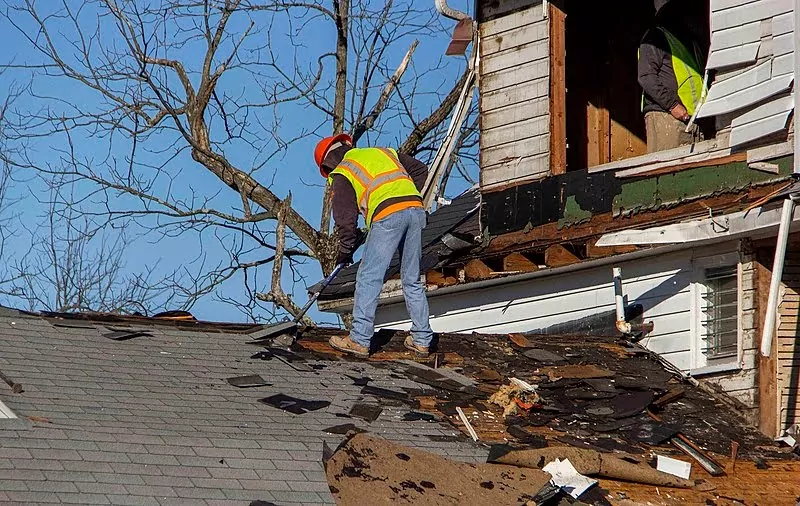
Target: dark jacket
point(656, 75)
point(345, 207)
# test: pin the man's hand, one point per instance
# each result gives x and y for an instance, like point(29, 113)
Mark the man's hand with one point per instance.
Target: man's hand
point(679, 113)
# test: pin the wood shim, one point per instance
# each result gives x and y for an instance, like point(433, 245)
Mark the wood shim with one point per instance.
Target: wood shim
point(517, 262)
point(558, 256)
point(476, 270)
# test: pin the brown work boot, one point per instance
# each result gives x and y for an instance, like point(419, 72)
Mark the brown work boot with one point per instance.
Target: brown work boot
point(347, 345)
point(422, 351)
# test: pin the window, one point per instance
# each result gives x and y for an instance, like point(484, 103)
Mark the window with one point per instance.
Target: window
point(596, 92)
point(720, 313)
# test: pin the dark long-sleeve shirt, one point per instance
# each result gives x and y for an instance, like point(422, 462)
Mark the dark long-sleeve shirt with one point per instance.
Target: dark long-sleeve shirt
point(656, 75)
point(345, 207)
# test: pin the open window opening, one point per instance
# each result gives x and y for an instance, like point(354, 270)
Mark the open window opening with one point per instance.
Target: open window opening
point(596, 82)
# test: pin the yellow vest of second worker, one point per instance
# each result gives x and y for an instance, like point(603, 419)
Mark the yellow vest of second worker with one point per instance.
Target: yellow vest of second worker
point(687, 73)
point(376, 175)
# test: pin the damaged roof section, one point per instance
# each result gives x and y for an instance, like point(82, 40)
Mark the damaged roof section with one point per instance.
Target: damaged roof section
point(451, 229)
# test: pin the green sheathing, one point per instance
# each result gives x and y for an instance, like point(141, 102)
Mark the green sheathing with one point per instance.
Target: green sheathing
point(573, 213)
point(670, 189)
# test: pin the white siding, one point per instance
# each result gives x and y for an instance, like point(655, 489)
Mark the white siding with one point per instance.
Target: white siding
point(514, 103)
point(661, 284)
point(752, 47)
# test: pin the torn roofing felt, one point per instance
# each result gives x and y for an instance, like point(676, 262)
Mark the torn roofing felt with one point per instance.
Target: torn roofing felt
point(451, 230)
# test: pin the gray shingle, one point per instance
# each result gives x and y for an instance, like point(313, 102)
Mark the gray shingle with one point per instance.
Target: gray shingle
point(30, 497)
point(83, 498)
point(132, 500)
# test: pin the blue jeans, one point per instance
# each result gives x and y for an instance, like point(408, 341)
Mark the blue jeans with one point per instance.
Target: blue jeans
point(400, 230)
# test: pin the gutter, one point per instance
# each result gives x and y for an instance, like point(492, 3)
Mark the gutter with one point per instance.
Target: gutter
point(448, 12)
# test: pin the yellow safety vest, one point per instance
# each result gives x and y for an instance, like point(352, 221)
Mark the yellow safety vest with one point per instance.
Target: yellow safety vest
point(687, 73)
point(377, 175)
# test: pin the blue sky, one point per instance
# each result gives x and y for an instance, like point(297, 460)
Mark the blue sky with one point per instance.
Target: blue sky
point(182, 179)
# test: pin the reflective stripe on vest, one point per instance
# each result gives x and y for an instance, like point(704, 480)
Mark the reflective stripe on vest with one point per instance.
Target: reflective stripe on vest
point(687, 73)
point(376, 175)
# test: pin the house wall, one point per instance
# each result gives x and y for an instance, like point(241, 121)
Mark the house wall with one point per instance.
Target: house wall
point(788, 341)
point(665, 285)
point(514, 97)
point(752, 52)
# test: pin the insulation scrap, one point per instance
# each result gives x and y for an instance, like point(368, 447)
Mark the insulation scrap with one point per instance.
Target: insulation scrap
point(512, 398)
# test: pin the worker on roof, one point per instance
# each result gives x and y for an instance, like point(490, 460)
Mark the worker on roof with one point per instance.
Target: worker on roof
point(670, 73)
point(384, 186)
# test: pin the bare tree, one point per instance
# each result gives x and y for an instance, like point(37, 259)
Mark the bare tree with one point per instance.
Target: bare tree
point(182, 95)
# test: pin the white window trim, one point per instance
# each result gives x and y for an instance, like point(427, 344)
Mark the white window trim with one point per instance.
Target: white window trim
point(699, 360)
point(5, 412)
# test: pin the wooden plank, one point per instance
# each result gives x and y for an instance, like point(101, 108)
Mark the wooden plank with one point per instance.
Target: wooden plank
point(777, 105)
point(558, 91)
point(777, 46)
point(532, 75)
point(528, 169)
point(594, 251)
point(767, 367)
point(517, 262)
point(783, 65)
point(759, 129)
point(745, 97)
point(731, 56)
point(505, 23)
point(514, 57)
point(558, 256)
point(783, 24)
point(522, 92)
point(759, 74)
point(729, 18)
point(732, 37)
point(689, 163)
point(515, 152)
point(487, 10)
point(718, 5)
point(439, 279)
point(522, 34)
point(770, 153)
point(477, 270)
point(598, 134)
point(514, 113)
point(515, 132)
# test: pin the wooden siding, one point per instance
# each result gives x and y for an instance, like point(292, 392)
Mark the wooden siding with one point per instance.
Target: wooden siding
point(788, 341)
point(752, 49)
point(514, 98)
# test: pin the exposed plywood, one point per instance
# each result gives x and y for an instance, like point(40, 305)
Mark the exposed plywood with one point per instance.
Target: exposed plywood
point(558, 91)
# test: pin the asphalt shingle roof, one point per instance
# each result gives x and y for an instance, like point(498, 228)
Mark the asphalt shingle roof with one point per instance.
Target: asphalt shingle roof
point(151, 420)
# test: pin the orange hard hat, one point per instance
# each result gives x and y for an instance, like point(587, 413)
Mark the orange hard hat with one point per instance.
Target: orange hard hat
point(324, 145)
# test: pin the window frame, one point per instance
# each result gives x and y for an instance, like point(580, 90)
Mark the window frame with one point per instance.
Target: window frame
point(700, 361)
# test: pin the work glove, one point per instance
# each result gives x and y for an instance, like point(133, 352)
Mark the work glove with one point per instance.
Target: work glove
point(361, 237)
point(344, 258)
